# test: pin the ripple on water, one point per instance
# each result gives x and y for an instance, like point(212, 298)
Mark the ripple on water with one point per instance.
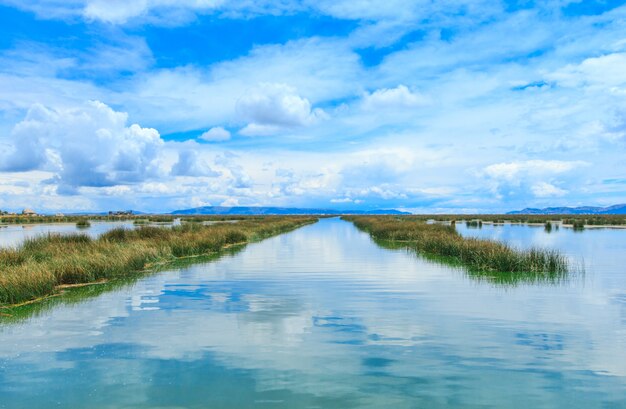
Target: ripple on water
point(323, 317)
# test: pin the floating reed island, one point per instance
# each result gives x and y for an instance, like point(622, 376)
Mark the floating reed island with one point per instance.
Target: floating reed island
point(42, 266)
point(441, 240)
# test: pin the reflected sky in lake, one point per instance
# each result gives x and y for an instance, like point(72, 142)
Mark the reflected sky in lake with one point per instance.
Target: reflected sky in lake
point(600, 251)
point(324, 318)
point(12, 235)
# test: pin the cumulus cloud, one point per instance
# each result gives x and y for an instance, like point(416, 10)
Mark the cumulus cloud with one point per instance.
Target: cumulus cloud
point(271, 107)
point(216, 134)
point(90, 145)
point(190, 164)
point(239, 178)
point(399, 97)
point(470, 74)
point(532, 177)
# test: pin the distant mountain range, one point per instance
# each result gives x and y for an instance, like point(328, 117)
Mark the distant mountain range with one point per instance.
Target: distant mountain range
point(254, 210)
point(615, 209)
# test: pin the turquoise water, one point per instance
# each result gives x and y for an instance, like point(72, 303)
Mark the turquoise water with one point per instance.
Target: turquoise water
point(324, 318)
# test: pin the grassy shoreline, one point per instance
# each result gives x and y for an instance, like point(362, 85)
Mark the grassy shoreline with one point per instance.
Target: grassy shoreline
point(479, 255)
point(568, 220)
point(40, 266)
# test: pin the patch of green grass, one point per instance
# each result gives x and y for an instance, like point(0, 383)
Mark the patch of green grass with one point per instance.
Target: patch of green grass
point(479, 255)
point(40, 265)
point(83, 224)
point(548, 227)
point(590, 220)
point(80, 294)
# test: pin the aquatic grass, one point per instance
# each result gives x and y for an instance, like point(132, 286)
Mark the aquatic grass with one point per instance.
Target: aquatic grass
point(41, 265)
point(480, 255)
point(83, 224)
point(474, 224)
point(498, 278)
point(74, 295)
point(586, 219)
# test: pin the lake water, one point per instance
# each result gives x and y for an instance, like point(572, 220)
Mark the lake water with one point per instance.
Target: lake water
point(13, 234)
point(322, 317)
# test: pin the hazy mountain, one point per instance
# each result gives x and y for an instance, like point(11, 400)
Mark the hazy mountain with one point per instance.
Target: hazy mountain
point(254, 210)
point(615, 209)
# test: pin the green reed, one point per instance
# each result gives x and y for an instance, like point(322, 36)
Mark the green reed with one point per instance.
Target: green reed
point(39, 266)
point(479, 255)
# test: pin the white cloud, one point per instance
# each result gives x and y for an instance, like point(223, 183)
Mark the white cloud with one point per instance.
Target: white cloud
point(90, 145)
point(383, 191)
point(272, 106)
point(605, 71)
point(543, 189)
point(190, 164)
point(515, 170)
point(123, 11)
point(517, 181)
point(180, 11)
point(260, 130)
point(215, 134)
point(393, 98)
point(114, 11)
point(472, 106)
point(230, 202)
point(239, 178)
point(346, 200)
point(197, 97)
point(20, 92)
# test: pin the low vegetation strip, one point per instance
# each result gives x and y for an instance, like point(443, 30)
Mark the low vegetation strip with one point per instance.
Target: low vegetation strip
point(445, 241)
point(39, 266)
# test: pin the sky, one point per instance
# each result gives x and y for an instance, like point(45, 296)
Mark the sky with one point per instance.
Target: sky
point(447, 106)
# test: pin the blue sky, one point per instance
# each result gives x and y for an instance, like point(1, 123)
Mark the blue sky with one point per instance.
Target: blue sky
point(432, 106)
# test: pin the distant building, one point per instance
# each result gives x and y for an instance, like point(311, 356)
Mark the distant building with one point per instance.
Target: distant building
point(29, 212)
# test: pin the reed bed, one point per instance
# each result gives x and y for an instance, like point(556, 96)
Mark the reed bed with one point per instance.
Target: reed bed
point(83, 224)
point(444, 241)
point(566, 220)
point(41, 265)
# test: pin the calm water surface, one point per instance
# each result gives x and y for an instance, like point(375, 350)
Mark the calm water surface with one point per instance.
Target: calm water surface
point(12, 235)
point(324, 318)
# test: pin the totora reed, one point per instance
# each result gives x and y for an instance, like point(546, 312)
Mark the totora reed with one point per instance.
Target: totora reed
point(40, 266)
point(482, 255)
